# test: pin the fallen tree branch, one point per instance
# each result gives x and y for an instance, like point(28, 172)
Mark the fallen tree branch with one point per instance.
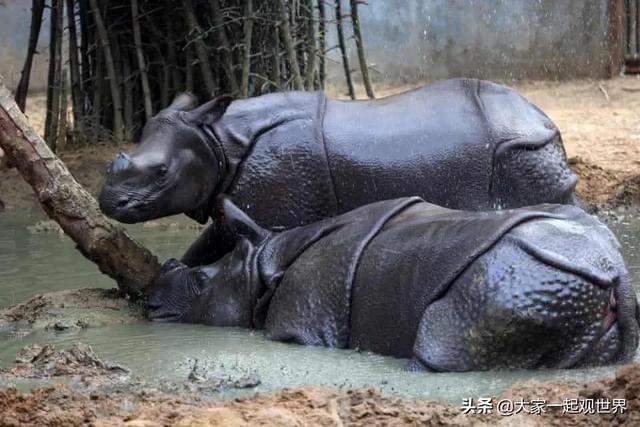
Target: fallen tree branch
point(65, 201)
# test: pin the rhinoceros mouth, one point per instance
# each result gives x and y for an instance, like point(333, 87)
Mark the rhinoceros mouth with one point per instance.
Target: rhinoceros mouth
point(163, 317)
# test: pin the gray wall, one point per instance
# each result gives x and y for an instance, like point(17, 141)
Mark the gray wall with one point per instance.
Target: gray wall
point(410, 40)
point(15, 18)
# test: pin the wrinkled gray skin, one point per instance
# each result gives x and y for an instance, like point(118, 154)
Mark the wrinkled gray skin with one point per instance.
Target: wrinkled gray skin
point(543, 286)
point(291, 159)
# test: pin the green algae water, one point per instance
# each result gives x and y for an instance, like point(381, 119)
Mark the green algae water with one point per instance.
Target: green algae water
point(32, 263)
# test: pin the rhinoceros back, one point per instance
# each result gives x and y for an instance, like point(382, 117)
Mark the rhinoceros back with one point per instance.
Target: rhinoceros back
point(437, 142)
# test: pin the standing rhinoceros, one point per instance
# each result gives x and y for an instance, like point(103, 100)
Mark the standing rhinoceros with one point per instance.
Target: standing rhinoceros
point(290, 159)
point(451, 290)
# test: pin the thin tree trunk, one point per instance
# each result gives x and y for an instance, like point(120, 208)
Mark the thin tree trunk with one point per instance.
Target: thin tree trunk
point(55, 72)
point(275, 65)
point(86, 65)
point(287, 39)
point(66, 202)
point(137, 39)
point(360, 47)
point(343, 50)
point(171, 50)
point(165, 89)
point(246, 60)
point(37, 10)
point(118, 124)
point(322, 40)
point(201, 48)
point(128, 102)
point(76, 80)
point(61, 140)
point(189, 69)
point(223, 41)
point(97, 110)
point(312, 54)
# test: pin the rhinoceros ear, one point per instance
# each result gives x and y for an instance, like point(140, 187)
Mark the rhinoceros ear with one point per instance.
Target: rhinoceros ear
point(241, 225)
point(183, 102)
point(210, 111)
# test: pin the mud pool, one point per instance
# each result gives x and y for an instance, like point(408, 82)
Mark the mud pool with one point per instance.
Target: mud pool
point(32, 263)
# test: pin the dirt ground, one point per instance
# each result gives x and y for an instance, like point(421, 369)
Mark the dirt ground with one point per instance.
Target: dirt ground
point(63, 405)
point(599, 120)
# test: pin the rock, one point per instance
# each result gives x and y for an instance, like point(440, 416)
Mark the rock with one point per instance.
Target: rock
point(65, 310)
point(36, 361)
point(45, 226)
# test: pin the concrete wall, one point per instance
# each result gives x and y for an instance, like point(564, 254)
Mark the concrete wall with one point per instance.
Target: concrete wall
point(412, 40)
point(15, 18)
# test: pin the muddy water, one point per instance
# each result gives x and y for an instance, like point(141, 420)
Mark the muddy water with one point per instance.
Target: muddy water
point(34, 263)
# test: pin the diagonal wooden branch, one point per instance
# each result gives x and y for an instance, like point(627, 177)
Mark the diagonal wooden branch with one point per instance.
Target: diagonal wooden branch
point(65, 201)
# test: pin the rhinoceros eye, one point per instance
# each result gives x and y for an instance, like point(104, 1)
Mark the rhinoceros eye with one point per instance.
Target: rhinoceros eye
point(162, 170)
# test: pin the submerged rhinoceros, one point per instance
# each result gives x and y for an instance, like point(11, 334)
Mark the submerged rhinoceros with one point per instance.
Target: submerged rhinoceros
point(290, 159)
point(451, 290)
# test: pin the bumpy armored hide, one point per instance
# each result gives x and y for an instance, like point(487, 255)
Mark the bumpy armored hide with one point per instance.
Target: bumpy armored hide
point(369, 279)
point(295, 158)
point(543, 286)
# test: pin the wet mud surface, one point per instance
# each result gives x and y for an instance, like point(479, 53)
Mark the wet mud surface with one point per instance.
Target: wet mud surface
point(72, 309)
point(143, 405)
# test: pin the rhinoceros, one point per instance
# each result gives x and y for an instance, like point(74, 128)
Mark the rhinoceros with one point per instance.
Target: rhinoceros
point(543, 286)
point(290, 159)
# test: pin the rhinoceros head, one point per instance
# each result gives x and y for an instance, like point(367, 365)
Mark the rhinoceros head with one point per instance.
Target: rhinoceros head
point(173, 169)
point(219, 294)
